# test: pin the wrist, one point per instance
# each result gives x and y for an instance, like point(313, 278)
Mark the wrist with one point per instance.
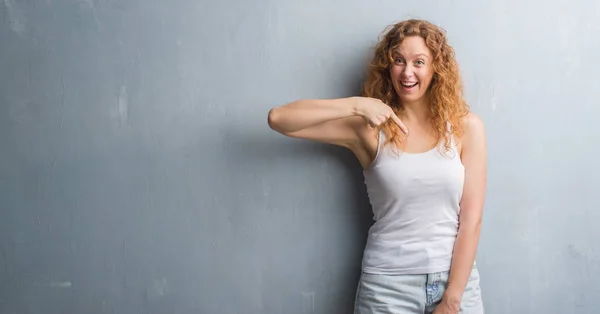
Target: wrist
point(452, 299)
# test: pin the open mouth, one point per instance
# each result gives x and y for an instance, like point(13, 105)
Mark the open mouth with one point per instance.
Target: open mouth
point(409, 84)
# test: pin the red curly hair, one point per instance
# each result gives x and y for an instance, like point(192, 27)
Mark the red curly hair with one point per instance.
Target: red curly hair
point(445, 93)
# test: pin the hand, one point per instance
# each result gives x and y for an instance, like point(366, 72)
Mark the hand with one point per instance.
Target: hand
point(375, 112)
point(446, 308)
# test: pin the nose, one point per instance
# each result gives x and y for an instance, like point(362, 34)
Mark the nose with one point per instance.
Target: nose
point(407, 72)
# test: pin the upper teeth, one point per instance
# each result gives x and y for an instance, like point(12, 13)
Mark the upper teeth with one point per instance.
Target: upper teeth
point(408, 83)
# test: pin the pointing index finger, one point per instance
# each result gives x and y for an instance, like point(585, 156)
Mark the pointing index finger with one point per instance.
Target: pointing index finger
point(399, 122)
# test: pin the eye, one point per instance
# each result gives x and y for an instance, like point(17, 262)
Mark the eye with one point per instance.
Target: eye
point(398, 60)
point(420, 62)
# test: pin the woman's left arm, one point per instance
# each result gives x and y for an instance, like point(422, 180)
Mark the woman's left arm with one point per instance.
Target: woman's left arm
point(474, 159)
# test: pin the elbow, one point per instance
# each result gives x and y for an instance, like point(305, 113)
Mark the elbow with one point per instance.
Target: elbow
point(470, 226)
point(272, 119)
point(470, 223)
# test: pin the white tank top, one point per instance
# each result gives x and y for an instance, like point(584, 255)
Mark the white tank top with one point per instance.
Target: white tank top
point(415, 200)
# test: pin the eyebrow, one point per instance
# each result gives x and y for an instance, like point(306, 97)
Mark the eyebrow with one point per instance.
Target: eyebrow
point(417, 55)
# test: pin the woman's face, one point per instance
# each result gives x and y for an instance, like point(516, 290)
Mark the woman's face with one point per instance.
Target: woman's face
point(412, 70)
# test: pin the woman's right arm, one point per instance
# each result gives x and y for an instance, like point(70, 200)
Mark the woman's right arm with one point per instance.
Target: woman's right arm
point(334, 121)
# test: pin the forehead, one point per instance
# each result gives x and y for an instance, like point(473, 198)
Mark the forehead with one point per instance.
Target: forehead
point(413, 46)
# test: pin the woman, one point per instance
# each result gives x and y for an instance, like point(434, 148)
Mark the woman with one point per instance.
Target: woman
point(424, 160)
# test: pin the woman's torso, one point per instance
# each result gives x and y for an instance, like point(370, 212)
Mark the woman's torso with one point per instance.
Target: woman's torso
point(415, 198)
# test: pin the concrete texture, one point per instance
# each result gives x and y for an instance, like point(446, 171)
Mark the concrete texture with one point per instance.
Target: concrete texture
point(138, 173)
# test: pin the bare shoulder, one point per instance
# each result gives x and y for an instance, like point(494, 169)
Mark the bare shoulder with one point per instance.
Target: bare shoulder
point(473, 123)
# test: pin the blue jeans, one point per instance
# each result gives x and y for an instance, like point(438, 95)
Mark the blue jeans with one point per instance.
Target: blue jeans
point(400, 294)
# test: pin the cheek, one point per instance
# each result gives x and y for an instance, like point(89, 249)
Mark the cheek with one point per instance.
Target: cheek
point(395, 72)
point(425, 77)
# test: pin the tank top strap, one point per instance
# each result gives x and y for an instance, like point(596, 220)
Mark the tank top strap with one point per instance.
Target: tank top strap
point(453, 143)
point(380, 141)
point(449, 132)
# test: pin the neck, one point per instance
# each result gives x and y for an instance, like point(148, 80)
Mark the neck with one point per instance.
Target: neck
point(417, 111)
